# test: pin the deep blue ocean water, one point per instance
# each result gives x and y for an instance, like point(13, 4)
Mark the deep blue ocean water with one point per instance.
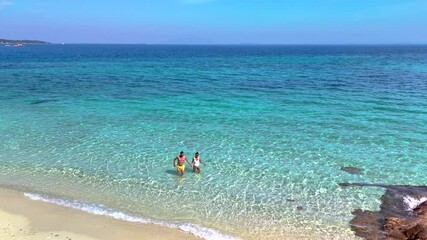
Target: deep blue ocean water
point(100, 124)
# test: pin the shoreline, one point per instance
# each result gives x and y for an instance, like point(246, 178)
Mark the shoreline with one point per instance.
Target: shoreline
point(23, 218)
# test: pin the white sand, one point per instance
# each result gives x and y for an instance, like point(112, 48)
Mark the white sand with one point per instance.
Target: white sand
point(25, 219)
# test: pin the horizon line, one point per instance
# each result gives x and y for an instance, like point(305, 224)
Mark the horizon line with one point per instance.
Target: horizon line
point(246, 44)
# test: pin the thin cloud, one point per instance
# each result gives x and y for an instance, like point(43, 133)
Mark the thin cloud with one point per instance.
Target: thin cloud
point(5, 3)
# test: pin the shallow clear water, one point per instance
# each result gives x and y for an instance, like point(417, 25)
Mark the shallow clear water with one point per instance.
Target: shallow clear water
point(102, 123)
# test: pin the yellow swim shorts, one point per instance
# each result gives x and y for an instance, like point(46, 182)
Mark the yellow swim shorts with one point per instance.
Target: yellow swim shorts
point(180, 168)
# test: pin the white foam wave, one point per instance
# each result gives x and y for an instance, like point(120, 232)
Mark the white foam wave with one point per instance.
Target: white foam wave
point(199, 231)
point(412, 202)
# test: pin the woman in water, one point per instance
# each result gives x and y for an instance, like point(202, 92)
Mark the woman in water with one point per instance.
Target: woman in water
point(196, 163)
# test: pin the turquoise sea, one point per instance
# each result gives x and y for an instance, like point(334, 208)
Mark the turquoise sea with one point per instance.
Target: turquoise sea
point(96, 127)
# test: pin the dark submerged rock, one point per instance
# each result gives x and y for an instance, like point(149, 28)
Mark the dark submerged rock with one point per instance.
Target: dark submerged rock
point(352, 170)
point(36, 102)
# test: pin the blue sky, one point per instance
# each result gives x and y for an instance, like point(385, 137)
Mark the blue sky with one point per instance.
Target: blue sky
point(216, 21)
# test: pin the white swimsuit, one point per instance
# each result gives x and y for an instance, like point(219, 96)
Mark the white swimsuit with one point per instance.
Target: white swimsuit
point(196, 162)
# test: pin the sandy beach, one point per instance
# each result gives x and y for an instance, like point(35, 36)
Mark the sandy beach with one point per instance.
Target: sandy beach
point(23, 218)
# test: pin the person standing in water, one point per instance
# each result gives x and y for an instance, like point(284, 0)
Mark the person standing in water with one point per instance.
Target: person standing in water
point(196, 162)
point(181, 158)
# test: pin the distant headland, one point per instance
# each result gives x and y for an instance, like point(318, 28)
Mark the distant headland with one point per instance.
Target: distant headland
point(21, 42)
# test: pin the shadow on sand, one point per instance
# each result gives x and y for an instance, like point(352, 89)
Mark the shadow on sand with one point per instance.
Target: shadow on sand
point(172, 172)
point(175, 173)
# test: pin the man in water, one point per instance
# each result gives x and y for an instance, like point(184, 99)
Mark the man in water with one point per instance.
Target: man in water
point(181, 158)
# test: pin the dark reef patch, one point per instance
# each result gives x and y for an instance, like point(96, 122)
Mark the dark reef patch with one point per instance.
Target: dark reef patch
point(36, 102)
point(352, 170)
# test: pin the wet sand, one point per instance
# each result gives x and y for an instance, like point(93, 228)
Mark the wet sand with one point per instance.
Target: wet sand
point(22, 218)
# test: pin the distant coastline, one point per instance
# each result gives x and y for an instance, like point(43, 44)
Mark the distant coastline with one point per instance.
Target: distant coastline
point(22, 42)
